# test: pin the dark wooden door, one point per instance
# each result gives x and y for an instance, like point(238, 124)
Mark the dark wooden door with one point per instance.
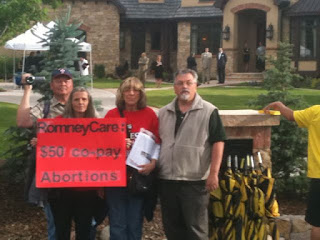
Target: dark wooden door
point(138, 46)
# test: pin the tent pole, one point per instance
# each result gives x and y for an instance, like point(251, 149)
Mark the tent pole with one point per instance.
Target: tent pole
point(14, 65)
point(91, 68)
point(24, 60)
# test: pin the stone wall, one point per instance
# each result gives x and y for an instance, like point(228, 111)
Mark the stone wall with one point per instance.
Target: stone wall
point(183, 51)
point(293, 227)
point(101, 20)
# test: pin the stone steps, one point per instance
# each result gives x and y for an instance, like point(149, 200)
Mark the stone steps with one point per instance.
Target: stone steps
point(253, 77)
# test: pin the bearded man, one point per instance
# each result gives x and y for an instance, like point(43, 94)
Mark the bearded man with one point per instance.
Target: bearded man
point(192, 144)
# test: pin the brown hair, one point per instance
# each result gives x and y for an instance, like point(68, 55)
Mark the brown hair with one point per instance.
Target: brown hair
point(136, 84)
point(69, 112)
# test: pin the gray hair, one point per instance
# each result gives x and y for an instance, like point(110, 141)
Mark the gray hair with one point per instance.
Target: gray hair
point(187, 71)
point(68, 110)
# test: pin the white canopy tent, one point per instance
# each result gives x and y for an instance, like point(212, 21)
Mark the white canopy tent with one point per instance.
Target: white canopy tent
point(31, 40)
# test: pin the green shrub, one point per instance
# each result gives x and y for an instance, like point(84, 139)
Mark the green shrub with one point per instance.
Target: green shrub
point(99, 71)
point(302, 82)
point(315, 83)
point(288, 142)
point(6, 67)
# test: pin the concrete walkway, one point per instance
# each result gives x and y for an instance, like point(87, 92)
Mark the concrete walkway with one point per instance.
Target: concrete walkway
point(106, 97)
point(13, 95)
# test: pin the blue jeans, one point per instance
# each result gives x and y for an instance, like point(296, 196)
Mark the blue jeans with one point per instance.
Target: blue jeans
point(50, 222)
point(125, 214)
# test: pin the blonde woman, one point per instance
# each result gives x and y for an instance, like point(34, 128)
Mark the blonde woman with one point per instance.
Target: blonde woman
point(125, 209)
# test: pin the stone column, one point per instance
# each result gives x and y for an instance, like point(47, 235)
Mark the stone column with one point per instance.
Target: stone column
point(183, 51)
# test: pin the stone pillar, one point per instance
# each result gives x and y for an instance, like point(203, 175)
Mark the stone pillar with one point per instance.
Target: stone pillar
point(183, 51)
point(249, 124)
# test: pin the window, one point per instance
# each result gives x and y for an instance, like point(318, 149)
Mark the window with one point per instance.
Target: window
point(205, 35)
point(122, 39)
point(308, 37)
point(155, 40)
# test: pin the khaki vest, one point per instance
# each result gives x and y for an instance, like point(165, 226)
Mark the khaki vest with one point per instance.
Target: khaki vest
point(186, 156)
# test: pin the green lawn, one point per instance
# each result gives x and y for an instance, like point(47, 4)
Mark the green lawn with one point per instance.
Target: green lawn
point(226, 98)
point(7, 118)
point(223, 97)
point(114, 83)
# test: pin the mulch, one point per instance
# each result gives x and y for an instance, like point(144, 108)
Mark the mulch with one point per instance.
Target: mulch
point(21, 221)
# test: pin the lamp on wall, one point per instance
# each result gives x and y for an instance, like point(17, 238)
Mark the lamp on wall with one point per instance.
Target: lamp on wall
point(269, 32)
point(226, 33)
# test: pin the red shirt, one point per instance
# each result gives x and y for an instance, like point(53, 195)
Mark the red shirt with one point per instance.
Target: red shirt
point(143, 118)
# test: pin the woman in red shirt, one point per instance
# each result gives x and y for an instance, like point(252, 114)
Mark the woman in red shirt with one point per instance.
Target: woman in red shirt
point(125, 209)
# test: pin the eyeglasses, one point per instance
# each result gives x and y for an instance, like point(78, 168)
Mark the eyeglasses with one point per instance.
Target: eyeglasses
point(180, 83)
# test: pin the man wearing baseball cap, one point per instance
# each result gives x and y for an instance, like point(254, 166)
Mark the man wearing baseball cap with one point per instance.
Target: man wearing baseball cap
point(61, 85)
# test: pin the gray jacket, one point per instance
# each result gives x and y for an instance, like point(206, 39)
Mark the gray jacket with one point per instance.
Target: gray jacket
point(186, 156)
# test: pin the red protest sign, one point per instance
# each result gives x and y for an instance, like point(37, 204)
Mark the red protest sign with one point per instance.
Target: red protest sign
point(82, 152)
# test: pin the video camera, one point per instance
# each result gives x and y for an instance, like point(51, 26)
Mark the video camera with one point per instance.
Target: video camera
point(29, 80)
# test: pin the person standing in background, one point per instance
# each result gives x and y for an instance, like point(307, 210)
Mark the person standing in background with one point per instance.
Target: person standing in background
point(191, 62)
point(83, 66)
point(246, 56)
point(206, 59)
point(260, 53)
point(158, 69)
point(143, 67)
point(221, 65)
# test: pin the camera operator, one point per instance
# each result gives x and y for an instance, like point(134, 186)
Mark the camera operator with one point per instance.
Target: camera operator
point(83, 66)
point(61, 85)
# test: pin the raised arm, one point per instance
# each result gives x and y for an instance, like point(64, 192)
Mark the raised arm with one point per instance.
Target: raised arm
point(284, 110)
point(23, 114)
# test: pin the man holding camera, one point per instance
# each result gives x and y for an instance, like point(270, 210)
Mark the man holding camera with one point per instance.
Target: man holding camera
point(61, 85)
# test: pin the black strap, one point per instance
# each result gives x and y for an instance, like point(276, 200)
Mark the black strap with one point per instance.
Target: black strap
point(46, 108)
point(129, 126)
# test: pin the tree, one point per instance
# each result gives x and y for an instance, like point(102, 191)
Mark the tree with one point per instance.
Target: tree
point(16, 16)
point(62, 54)
point(288, 142)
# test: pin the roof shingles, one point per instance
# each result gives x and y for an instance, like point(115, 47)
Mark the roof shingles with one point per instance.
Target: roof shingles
point(170, 9)
point(304, 7)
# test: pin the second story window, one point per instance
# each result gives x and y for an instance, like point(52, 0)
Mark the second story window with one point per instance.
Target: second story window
point(308, 37)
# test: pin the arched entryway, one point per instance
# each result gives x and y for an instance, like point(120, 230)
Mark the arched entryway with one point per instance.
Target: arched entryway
point(251, 30)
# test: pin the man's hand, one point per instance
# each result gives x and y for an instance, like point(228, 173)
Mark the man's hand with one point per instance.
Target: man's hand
point(284, 110)
point(23, 114)
point(212, 182)
point(34, 142)
point(24, 77)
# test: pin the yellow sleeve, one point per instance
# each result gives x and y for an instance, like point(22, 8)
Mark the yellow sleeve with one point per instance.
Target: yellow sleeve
point(304, 117)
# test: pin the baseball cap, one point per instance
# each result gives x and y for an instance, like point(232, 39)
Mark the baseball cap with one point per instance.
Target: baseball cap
point(61, 71)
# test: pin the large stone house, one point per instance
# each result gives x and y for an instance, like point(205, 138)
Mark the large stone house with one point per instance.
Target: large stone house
point(120, 30)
